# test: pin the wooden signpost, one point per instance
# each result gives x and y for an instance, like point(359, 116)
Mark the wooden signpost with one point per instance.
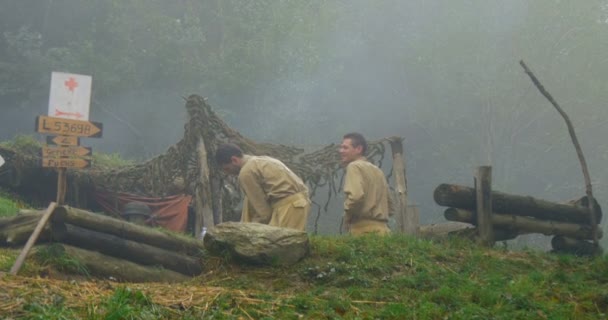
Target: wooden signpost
point(67, 118)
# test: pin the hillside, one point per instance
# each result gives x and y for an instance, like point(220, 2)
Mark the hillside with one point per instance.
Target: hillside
point(396, 277)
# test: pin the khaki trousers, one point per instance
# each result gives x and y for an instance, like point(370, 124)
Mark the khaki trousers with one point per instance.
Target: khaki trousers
point(290, 212)
point(369, 226)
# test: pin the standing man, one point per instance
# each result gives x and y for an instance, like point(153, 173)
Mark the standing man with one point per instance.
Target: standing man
point(366, 207)
point(274, 195)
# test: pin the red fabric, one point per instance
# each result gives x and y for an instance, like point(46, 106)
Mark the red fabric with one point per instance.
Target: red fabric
point(169, 212)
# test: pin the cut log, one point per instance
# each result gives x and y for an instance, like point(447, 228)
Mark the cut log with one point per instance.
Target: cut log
point(462, 197)
point(574, 246)
point(499, 234)
point(127, 230)
point(526, 224)
point(104, 266)
point(442, 230)
point(21, 219)
point(126, 249)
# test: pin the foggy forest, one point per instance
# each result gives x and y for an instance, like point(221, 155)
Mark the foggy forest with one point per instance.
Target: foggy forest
point(444, 75)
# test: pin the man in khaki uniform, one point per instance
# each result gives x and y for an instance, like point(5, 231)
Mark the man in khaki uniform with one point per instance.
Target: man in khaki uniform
point(274, 195)
point(366, 207)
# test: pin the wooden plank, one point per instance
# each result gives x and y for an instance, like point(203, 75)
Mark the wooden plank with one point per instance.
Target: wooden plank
point(68, 127)
point(483, 188)
point(33, 238)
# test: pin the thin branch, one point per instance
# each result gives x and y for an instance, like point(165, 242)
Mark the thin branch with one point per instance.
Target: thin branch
point(577, 146)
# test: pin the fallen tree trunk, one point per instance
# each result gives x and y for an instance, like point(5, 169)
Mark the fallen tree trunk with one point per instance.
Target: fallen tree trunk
point(127, 230)
point(104, 266)
point(15, 231)
point(499, 234)
point(126, 249)
point(574, 246)
point(526, 224)
point(462, 197)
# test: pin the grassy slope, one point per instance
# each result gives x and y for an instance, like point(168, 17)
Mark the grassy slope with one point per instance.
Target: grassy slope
point(396, 277)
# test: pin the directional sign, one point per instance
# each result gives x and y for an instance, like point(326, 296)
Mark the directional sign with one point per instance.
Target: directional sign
point(68, 127)
point(65, 152)
point(65, 163)
point(63, 140)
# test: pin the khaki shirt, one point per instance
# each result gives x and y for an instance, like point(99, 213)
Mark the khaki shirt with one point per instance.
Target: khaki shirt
point(266, 180)
point(367, 194)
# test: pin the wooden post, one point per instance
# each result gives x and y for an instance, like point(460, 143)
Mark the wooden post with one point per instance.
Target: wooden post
point(413, 213)
point(483, 190)
point(204, 212)
point(407, 221)
point(61, 185)
point(30, 242)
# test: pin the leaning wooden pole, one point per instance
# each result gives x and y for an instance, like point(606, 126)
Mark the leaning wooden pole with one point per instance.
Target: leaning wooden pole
point(33, 238)
point(577, 146)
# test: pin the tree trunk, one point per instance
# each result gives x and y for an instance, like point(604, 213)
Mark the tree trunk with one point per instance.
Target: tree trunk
point(127, 230)
point(104, 266)
point(462, 197)
point(526, 224)
point(16, 230)
point(126, 249)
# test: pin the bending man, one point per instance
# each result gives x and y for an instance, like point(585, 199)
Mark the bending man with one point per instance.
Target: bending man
point(274, 195)
point(366, 207)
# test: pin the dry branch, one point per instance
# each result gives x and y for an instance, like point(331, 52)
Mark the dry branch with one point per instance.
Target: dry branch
point(577, 146)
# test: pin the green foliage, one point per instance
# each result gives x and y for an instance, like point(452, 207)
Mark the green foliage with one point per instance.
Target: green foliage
point(126, 303)
point(8, 206)
point(55, 311)
point(55, 256)
point(110, 161)
point(23, 143)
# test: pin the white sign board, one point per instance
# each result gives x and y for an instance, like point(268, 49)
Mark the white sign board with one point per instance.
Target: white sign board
point(1, 161)
point(70, 96)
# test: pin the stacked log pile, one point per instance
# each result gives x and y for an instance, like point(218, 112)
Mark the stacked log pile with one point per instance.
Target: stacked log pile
point(513, 215)
point(111, 247)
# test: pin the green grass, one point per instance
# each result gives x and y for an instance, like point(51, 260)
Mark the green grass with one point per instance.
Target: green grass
point(8, 206)
point(394, 277)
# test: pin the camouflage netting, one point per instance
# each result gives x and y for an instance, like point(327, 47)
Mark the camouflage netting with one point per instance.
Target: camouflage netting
point(179, 170)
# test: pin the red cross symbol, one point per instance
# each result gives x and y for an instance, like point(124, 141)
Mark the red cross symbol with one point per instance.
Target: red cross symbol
point(71, 84)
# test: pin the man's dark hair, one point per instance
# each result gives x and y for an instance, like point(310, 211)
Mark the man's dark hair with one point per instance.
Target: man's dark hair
point(357, 139)
point(225, 152)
